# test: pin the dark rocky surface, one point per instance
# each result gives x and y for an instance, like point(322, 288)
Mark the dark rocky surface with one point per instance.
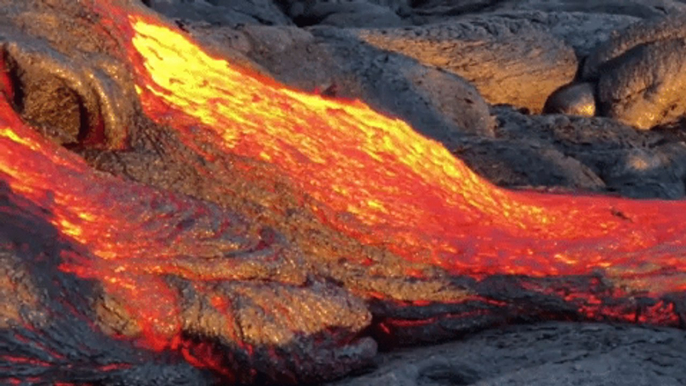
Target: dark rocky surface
point(520, 162)
point(508, 60)
point(511, 52)
point(573, 99)
point(640, 73)
point(222, 12)
point(542, 354)
point(636, 8)
point(344, 14)
point(629, 162)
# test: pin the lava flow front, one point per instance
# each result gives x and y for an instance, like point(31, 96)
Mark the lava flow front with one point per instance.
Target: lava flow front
point(294, 231)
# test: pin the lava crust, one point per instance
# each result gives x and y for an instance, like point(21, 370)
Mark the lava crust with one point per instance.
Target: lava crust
point(200, 223)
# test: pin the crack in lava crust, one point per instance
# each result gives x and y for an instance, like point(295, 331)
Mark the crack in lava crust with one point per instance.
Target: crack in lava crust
point(179, 279)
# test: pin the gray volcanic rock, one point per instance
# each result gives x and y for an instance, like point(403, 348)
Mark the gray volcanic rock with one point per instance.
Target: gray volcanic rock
point(363, 15)
point(428, 11)
point(222, 12)
point(509, 61)
point(660, 172)
point(574, 99)
point(641, 73)
point(645, 87)
point(444, 8)
point(622, 41)
point(636, 8)
point(632, 163)
point(540, 355)
point(517, 163)
point(344, 14)
point(573, 134)
point(295, 8)
point(438, 104)
point(580, 30)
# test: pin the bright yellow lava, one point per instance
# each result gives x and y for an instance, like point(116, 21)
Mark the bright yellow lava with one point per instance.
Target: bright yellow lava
point(374, 154)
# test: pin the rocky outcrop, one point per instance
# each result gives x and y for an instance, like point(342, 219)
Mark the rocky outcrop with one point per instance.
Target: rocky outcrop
point(540, 355)
point(629, 162)
point(522, 162)
point(640, 73)
point(580, 30)
point(509, 61)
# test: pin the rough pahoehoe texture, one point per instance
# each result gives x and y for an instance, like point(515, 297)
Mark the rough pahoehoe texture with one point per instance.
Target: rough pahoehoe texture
point(540, 355)
point(509, 61)
point(640, 164)
point(522, 162)
point(645, 87)
point(640, 73)
point(580, 30)
point(223, 12)
point(636, 8)
point(623, 40)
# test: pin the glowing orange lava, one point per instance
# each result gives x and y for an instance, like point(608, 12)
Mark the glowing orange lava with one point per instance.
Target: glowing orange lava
point(96, 210)
point(417, 198)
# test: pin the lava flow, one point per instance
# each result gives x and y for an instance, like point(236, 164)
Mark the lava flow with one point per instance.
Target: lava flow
point(410, 193)
point(298, 228)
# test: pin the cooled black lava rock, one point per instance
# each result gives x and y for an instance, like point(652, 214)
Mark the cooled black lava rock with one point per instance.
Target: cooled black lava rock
point(635, 8)
point(223, 12)
point(641, 73)
point(540, 355)
point(574, 99)
point(640, 164)
point(509, 61)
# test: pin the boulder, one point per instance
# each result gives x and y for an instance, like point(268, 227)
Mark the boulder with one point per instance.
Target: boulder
point(519, 163)
point(509, 61)
point(573, 99)
point(641, 73)
point(639, 164)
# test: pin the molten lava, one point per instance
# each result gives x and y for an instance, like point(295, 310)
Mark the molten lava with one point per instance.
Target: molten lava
point(504, 255)
point(416, 198)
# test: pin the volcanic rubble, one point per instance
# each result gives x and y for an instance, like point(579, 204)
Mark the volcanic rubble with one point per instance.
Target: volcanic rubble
point(490, 80)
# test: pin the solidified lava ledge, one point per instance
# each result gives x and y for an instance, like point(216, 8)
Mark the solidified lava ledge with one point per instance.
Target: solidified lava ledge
point(165, 208)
